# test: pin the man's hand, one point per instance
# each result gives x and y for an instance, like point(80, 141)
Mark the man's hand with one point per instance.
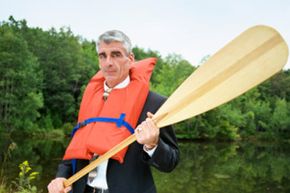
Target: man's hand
point(147, 133)
point(56, 186)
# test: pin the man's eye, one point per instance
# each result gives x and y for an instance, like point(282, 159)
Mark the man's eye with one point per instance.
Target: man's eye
point(101, 56)
point(116, 55)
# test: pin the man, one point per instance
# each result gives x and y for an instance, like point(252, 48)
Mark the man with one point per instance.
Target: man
point(128, 172)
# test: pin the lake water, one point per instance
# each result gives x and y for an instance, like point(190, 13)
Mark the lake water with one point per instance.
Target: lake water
point(203, 168)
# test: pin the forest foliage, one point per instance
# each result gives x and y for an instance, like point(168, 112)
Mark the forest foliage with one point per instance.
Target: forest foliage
point(44, 72)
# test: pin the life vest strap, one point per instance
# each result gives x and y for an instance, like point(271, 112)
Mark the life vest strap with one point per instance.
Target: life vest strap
point(119, 122)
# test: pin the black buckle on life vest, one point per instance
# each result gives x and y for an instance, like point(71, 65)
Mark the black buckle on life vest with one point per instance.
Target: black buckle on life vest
point(82, 124)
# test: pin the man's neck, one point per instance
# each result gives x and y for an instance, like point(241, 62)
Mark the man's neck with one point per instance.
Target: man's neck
point(122, 84)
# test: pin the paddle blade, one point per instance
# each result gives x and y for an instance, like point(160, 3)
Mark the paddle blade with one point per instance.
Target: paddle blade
point(251, 58)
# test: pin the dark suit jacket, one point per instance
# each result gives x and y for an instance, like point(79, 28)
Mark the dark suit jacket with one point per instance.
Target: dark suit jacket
point(134, 175)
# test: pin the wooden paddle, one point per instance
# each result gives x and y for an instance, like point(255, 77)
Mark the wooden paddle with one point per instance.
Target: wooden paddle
point(252, 57)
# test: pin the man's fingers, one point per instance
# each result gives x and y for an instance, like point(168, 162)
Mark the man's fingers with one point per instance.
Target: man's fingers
point(67, 189)
point(56, 186)
point(150, 115)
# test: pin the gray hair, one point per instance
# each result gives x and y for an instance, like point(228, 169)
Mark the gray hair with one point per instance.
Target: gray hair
point(118, 36)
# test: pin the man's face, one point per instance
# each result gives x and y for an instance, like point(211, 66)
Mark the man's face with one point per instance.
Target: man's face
point(114, 62)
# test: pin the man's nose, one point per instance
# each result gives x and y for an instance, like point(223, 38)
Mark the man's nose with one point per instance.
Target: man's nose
point(109, 60)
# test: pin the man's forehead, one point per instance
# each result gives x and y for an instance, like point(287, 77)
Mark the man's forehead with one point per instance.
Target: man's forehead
point(111, 47)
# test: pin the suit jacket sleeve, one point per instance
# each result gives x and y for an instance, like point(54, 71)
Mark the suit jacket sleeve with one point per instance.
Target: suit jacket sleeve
point(64, 169)
point(166, 156)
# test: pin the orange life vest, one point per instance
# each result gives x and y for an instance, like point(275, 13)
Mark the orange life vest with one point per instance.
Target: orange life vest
point(99, 137)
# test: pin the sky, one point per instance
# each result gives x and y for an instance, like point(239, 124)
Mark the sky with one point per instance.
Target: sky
point(192, 29)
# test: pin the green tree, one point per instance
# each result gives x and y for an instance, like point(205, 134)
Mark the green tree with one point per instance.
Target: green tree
point(20, 82)
point(280, 121)
point(277, 86)
point(174, 71)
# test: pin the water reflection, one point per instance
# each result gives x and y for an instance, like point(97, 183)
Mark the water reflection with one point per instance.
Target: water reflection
point(229, 168)
point(203, 168)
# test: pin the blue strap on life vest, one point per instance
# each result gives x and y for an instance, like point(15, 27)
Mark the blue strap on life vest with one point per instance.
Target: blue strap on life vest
point(119, 122)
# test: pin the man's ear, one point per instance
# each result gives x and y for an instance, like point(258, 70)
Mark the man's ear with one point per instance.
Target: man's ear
point(132, 58)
